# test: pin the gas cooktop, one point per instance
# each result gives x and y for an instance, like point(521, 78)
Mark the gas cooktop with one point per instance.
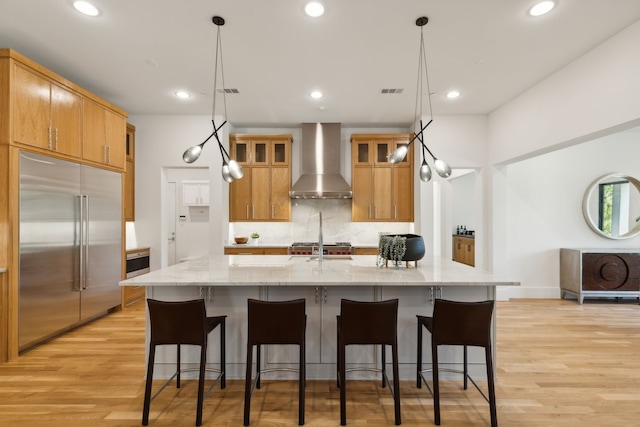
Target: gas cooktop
point(313, 248)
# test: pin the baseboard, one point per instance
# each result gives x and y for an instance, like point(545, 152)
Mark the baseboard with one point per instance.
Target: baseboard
point(504, 293)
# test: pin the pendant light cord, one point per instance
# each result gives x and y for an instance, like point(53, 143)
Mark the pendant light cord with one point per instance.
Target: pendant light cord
point(215, 77)
point(422, 59)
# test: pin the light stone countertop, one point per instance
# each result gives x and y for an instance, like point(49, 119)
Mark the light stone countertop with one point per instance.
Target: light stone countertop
point(285, 270)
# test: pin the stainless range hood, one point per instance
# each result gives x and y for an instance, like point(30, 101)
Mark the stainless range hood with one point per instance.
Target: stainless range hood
point(320, 176)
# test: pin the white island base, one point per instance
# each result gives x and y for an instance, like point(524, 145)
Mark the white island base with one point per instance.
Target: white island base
point(226, 282)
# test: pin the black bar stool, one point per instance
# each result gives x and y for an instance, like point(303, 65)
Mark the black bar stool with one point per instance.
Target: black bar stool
point(368, 323)
point(458, 323)
point(274, 322)
point(177, 323)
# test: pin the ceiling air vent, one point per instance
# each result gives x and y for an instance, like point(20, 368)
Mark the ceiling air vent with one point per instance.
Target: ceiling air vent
point(391, 91)
point(228, 91)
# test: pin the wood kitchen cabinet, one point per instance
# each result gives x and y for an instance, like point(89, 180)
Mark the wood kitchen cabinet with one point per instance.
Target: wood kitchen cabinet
point(381, 191)
point(130, 175)
point(42, 112)
point(464, 250)
point(46, 115)
point(263, 193)
point(256, 250)
point(104, 134)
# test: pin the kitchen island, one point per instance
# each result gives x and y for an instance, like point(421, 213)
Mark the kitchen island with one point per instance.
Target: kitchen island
point(227, 281)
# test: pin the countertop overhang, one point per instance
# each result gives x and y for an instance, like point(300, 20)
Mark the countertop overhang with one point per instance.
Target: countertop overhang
point(286, 270)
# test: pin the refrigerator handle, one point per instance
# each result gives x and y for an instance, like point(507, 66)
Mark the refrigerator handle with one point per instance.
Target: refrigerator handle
point(77, 283)
point(85, 241)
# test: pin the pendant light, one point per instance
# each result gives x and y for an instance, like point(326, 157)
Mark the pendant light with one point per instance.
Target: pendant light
point(230, 168)
point(441, 167)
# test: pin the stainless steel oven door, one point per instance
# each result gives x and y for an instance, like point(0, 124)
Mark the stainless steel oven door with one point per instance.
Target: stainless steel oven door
point(137, 263)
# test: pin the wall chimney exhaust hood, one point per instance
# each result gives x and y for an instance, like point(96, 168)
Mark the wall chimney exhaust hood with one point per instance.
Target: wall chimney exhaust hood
point(320, 175)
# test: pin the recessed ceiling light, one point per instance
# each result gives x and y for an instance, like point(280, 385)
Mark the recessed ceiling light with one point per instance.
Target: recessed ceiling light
point(314, 9)
point(86, 8)
point(316, 94)
point(183, 94)
point(453, 94)
point(542, 8)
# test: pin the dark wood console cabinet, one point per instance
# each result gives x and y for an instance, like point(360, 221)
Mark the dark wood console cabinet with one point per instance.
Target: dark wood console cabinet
point(600, 273)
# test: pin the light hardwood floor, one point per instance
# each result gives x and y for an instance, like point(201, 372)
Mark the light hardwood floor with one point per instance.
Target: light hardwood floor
point(559, 364)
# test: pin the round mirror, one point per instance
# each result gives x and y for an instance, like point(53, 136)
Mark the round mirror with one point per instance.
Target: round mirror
point(611, 206)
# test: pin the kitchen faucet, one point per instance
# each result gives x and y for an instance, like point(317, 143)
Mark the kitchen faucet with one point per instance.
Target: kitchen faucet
point(320, 248)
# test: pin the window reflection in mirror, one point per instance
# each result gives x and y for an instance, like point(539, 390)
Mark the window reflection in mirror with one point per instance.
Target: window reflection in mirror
point(611, 206)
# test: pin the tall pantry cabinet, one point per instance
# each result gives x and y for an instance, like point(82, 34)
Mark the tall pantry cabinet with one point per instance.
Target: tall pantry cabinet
point(42, 112)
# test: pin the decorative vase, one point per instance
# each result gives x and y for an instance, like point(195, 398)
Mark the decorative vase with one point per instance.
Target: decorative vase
point(254, 241)
point(414, 248)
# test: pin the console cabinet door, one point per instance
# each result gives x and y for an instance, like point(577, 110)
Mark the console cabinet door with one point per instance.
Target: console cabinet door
point(611, 272)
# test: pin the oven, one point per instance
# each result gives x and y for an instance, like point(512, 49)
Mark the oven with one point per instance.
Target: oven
point(138, 262)
point(313, 248)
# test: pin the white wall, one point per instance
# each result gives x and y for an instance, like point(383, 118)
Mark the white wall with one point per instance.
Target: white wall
point(544, 206)
point(160, 142)
point(596, 95)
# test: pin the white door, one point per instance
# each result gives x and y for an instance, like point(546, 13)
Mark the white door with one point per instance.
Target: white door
point(171, 223)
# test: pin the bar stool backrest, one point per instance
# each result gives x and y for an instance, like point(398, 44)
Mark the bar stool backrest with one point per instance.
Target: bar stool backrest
point(462, 323)
point(178, 322)
point(368, 322)
point(276, 322)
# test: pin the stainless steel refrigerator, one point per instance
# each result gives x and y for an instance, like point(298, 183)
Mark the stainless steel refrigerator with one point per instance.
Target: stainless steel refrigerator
point(70, 245)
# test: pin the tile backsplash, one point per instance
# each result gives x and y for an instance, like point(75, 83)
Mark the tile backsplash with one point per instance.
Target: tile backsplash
point(304, 225)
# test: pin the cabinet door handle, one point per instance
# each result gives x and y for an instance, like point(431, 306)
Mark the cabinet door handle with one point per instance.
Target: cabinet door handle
point(49, 137)
point(253, 211)
point(104, 153)
point(56, 140)
point(247, 212)
point(395, 212)
point(369, 211)
point(108, 154)
point(273, 212)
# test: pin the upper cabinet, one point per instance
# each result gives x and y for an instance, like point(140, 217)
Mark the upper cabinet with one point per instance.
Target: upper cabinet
point(46, 115)
point(263, 193)
point(104, 135)
point(130, 174)
point(261, 150)
point(381, 191)
point(195, 193)
point(43, 112)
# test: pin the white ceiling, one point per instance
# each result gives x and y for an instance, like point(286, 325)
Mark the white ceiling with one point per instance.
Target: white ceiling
point(137, 53)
